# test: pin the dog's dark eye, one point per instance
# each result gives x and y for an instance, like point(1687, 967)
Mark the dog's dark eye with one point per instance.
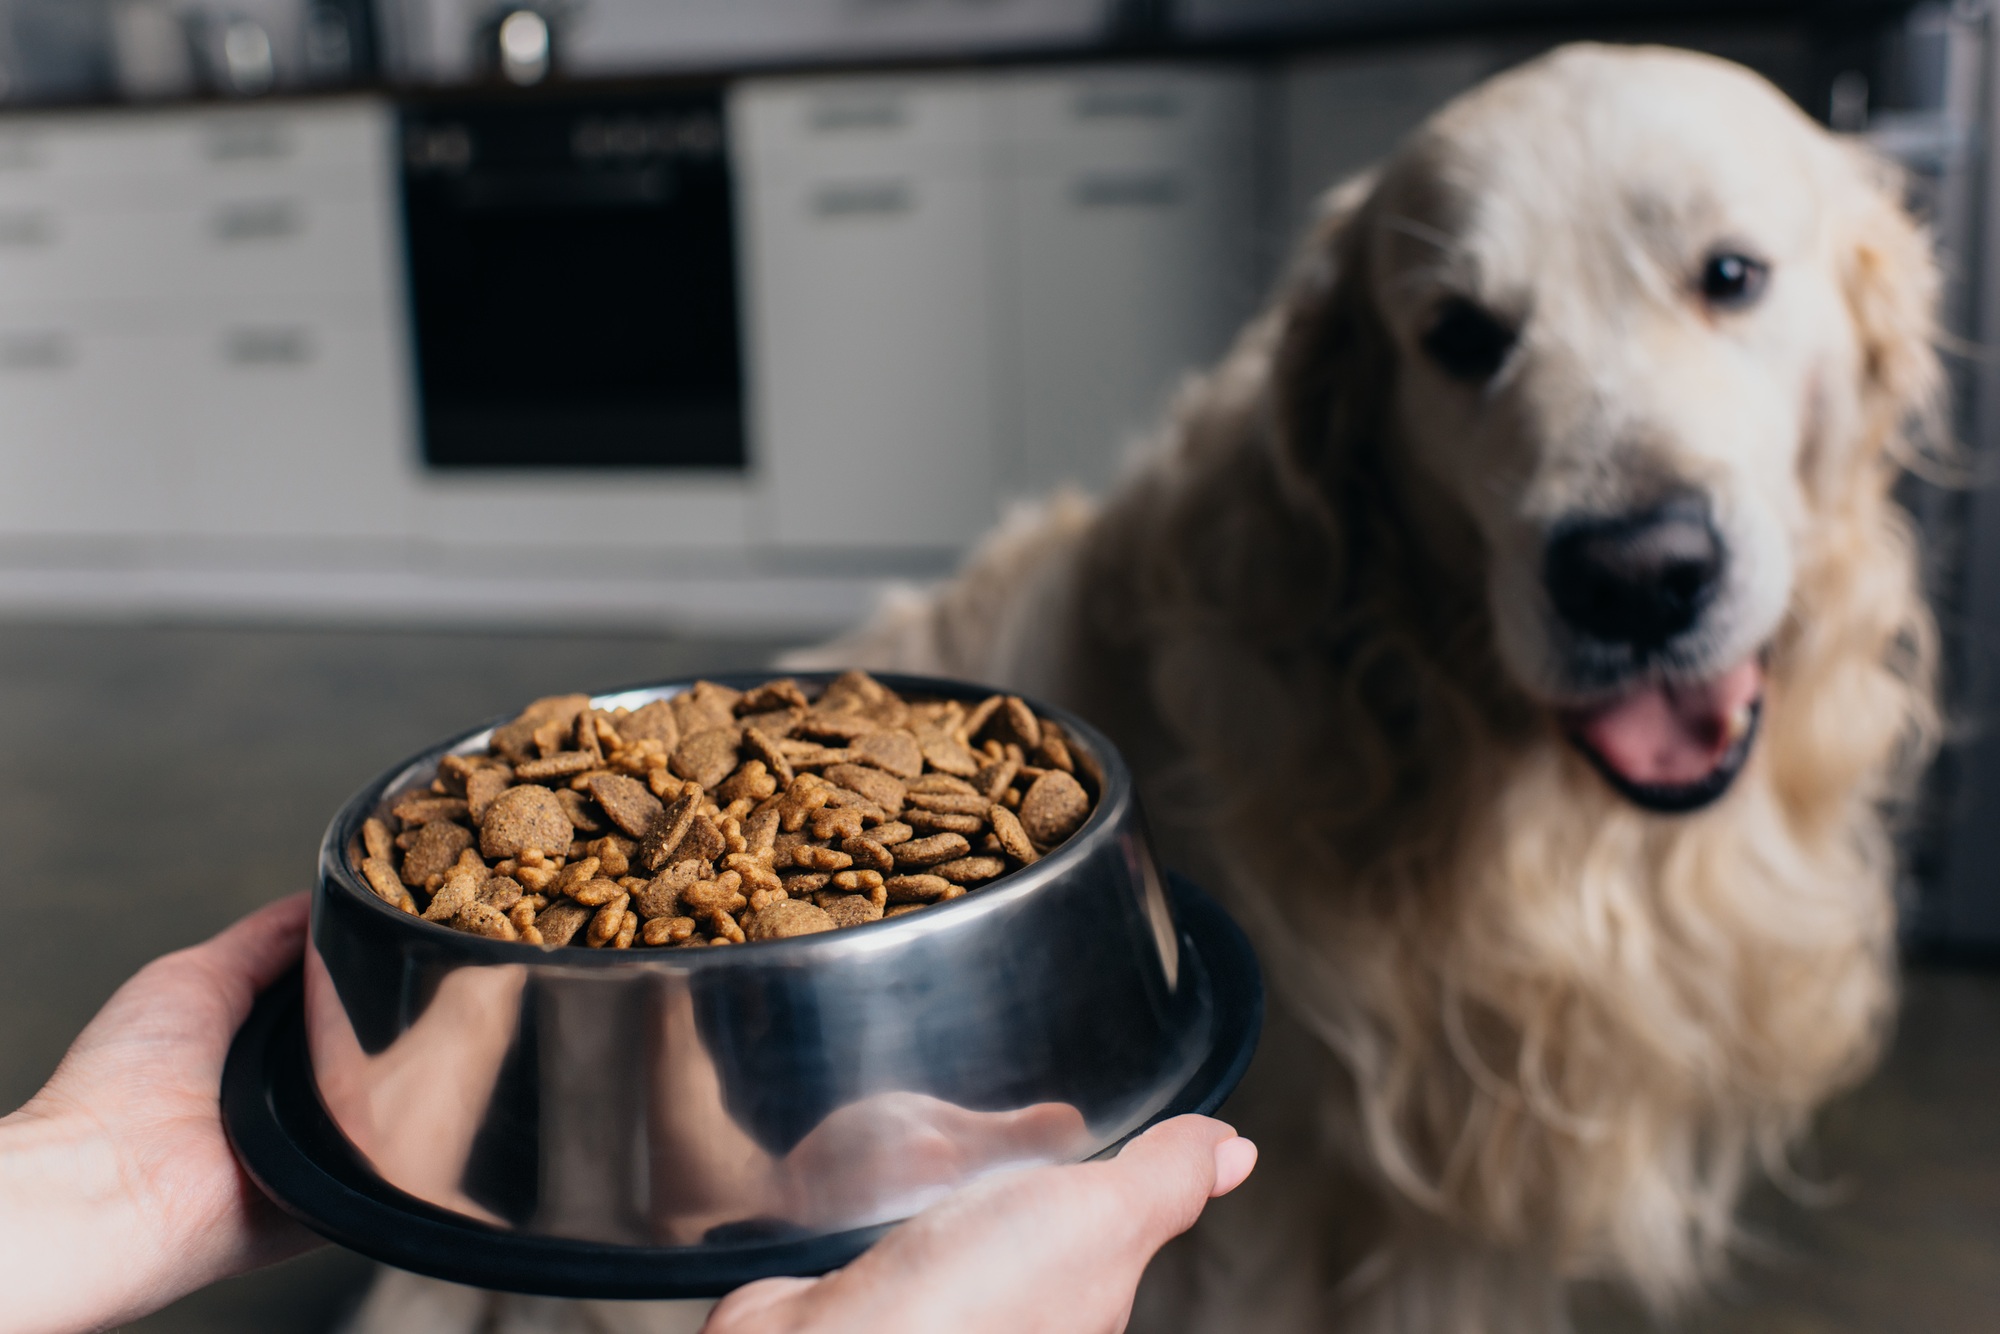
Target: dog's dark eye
point(1731, 280)
point(1466, 342)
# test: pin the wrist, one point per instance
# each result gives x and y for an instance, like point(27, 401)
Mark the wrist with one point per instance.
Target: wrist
point(84, 1248)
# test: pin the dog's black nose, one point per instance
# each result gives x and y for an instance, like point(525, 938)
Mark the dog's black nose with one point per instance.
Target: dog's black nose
point(1639, 578)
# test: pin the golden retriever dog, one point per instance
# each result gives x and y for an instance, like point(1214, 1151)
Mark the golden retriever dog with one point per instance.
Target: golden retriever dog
point(1518, 631)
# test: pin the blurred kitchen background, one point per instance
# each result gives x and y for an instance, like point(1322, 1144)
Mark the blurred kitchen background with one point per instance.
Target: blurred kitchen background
point(368, 366)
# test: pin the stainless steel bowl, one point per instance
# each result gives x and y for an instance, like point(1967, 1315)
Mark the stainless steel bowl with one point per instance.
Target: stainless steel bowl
point(789, 1089)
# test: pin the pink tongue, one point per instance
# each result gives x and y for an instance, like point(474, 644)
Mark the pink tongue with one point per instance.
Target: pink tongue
point(1670, 736)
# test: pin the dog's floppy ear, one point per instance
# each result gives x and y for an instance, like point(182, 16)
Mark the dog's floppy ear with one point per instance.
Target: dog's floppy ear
point(1331, 367)
point(1891, 282)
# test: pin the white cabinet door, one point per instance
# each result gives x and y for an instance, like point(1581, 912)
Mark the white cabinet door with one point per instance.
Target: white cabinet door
point(1132, 255)
point(871, 314)
point(291, 424)
point(83, 450)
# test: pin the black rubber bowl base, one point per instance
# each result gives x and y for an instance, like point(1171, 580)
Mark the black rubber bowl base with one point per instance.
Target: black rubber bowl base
point(296, 1155)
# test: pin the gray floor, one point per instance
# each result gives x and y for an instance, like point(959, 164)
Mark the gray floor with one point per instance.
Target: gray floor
point(162, 781)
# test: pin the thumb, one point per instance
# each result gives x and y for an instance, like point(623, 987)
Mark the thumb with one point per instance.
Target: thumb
point(1173, 1170)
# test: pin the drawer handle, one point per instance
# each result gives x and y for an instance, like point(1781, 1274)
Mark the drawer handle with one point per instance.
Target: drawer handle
point(248, 141)
point(1105, 190)
point(842, 117)
point(863, 199)
point(1127, 104)
point(35, 350)
point(26, 229)
point(268, 345)
point(260, 220)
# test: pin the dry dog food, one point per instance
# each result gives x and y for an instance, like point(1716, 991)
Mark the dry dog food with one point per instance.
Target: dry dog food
point(720, 816)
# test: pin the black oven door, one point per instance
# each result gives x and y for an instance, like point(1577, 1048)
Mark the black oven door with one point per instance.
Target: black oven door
point(573, 282)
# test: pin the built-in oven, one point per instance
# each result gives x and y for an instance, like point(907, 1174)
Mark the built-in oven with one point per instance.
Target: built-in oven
point(573, 281)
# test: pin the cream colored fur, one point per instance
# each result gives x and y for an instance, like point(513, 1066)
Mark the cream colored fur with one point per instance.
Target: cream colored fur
point(1526, 1031)
point(1523, 1030)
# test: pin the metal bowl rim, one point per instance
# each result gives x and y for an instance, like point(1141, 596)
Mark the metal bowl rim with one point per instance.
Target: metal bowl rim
point(1109, 815)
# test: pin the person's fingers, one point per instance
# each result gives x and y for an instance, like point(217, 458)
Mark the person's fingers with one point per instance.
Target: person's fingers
point(1053, 1248)
point(743, 1310)
point(260, 947)
point(1235, 1159)
point(1169, 1173)
point(243, 959)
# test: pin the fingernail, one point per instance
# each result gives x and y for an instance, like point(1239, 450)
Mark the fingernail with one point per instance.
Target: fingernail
point(1233, 1160)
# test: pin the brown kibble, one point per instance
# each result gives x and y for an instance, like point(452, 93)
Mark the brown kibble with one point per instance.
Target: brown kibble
point(877, 785)
point(1017, 724)
point(713, 896)
point(933, 822)
point(920, 888)
point(867, 853)
point(574, 876)
point(667, 930)
point(483, 919)
point(849, 909)
point(757, 875)
point(951, 803)
point(436, 847)
point(1053, 808)
point(614, 854)
point(652, 722)
point(423, 809)
point(836, 822)
point(934, 783)
point(388, 886)
point(457, 888)
point(755, 814)
point(604, 927)
point(482, 786)
point(536, 878)
point(1007, 828)
point(561, 764)
point(668, 830)
point(595, 893)
point(703, 841)
point(806, 795)
point(560, 921)
point(894, 751)
point(582, 816)
point(786, 917)
point(707, 757)
point(975, 721)
point(765, 747)
point(919, 852)
point(813, 858)
point(375, 839)
point(971, 870)
point(1053, 753)
point(662, 895)
point(948, 755)
point(995, 778)
point(515, 741)
point(783, 693)
point(521, 818)
point(631, 807)
point(753, 780)
point(500, 891)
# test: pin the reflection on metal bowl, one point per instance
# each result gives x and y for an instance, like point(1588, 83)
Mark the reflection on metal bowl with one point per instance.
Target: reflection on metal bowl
point(775, 1091)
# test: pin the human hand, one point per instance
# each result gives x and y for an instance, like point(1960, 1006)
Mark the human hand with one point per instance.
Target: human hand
point(118, 1190)
point(1049, 1249)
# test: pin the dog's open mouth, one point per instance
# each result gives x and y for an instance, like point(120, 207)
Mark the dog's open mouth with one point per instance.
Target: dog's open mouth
point(1673, 748)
